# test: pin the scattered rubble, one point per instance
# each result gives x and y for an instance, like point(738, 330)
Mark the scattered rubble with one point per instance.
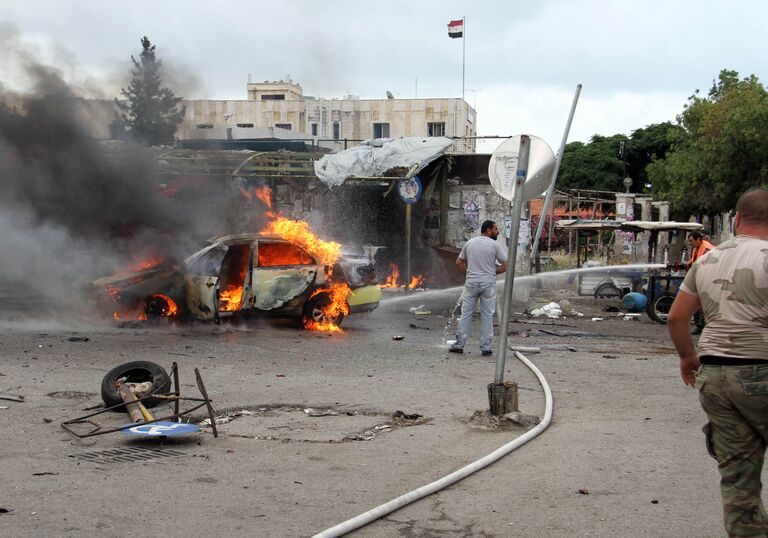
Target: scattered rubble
point(522, 419)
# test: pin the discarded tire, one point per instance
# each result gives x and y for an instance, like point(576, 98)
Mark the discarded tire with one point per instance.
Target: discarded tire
point(314, 310)
point(658, 309)
point(134, 372)
point(608, 290)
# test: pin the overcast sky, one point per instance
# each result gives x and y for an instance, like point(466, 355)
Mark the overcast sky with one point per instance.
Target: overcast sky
point(638, 61)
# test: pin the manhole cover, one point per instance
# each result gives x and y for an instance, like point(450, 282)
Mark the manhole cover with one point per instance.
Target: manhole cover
point(118, 455)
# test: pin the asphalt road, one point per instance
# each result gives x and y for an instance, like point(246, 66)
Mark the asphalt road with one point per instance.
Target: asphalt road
point(626, 432)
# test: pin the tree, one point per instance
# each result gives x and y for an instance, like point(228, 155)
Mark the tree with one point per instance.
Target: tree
point(721, 149)
point(604, 162)
point(150, 110)
point(595, 165)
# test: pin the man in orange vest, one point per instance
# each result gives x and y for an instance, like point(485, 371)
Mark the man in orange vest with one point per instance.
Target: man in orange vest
point(699, 246)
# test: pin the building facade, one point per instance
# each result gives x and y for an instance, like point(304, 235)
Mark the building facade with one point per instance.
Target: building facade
point(281, 110)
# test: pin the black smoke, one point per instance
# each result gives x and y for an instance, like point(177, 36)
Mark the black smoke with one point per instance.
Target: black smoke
point(73, 208)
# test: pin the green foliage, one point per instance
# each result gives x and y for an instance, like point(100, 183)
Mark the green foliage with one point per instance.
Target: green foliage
point(604, 162)
point(721, 149)
point(150, 110)
point(595, 165)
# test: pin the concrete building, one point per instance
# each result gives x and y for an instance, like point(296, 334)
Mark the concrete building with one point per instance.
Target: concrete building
point(280, 109)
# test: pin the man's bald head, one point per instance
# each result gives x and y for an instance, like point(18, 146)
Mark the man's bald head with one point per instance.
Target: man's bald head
point(753, 207)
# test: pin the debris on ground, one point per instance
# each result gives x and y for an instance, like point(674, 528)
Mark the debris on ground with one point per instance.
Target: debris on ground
point(398, 337)
point(550, 310)
point(485, 420)
point(610, 308)
point(598, 319)
point(414, 326)
point(406, 416)
point(11, 397)
point(419, 310)
point(320, 412)
point(78, 339)
point(521, 419)
point(583, 491)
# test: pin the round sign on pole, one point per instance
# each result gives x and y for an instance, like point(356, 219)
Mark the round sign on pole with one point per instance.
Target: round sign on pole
point(409, 189)
point(503, 168)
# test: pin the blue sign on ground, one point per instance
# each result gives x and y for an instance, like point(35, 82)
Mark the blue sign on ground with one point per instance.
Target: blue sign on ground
point(158, 429)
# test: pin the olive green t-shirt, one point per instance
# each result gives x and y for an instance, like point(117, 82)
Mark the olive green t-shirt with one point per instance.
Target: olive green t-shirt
point(731, 282)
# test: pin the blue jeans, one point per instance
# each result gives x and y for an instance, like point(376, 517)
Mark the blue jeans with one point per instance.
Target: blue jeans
point(486, 293)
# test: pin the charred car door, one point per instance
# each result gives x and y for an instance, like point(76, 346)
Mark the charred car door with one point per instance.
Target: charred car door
point(281, 272)
point(201, 282)
point(218, 281)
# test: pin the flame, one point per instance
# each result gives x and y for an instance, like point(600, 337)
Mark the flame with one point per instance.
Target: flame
point(139, 313)
point(142, 261)
point(265, 195)
point(337, 306)
point(262, 193)
point(298, 233)
point(394, 275)
point(230, 298)
point(417, 281)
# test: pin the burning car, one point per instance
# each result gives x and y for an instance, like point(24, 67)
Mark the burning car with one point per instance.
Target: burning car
point(250, 274)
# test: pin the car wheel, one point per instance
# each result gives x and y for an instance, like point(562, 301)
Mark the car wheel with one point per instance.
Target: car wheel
point(658, 309)
point(314, 311)
point(158, 307)
point(134, 372)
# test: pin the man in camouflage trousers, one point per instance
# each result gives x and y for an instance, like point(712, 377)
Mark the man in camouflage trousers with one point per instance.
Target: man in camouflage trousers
point(730, 367)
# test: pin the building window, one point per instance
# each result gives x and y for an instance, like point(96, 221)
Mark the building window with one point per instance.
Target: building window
point(248, 125)
point(313, 129)
point(436, 128)
point(273, 97)
point(286, 126)
point(380, 130)
point(205, 126)
point(336, 130)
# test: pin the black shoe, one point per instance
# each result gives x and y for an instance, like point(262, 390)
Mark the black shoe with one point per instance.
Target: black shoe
point(486, 352)
point(454, 349)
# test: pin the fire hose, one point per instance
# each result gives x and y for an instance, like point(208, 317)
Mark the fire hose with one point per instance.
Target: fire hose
point(428, 489)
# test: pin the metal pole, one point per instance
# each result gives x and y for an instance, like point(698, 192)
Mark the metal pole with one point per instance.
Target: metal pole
point(463, 52)
point(551, 189)
point(407, 247)
point(509, 280)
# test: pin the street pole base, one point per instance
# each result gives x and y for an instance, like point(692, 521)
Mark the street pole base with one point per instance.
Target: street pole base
point(502, 398)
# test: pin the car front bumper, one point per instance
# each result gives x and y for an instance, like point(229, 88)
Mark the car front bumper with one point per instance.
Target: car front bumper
point(364, 299)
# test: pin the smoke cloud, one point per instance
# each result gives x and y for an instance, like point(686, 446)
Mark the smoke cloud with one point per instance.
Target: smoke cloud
point(71, 207)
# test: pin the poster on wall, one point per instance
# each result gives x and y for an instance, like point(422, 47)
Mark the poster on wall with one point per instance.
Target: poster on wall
point(472, 214)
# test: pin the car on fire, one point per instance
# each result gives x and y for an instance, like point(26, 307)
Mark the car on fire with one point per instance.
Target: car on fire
point(247, 274)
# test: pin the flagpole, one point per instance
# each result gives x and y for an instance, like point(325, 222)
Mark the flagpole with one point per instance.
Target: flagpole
point(463, 53)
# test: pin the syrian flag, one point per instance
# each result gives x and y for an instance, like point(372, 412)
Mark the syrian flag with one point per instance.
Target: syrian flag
point(456, 28)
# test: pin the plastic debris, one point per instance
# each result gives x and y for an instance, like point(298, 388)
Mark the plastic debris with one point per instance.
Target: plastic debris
point(598, 319)
point(550, 310)
point(398, 337)
point(320, 412)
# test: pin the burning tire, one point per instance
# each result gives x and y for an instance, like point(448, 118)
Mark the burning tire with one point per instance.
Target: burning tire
point(159, 306)
point(134, 372)
point(315, 311)
point(658, 309)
